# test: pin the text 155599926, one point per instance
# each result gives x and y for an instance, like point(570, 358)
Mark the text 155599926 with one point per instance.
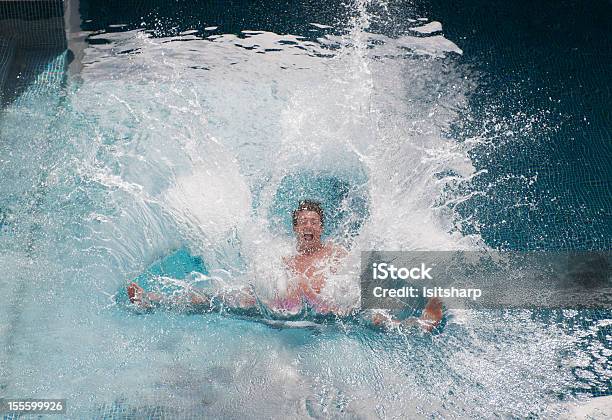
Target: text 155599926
point(32, 406)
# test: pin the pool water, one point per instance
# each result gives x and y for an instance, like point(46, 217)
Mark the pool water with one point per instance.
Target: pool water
point(180, 125)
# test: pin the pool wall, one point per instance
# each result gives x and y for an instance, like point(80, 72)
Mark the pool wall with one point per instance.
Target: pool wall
point(31, 33)
point(33, 56)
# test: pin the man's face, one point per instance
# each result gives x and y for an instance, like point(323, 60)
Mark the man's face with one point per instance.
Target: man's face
point(308, 227)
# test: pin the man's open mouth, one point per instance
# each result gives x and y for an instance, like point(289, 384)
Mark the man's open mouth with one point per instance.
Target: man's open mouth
point(308, 236)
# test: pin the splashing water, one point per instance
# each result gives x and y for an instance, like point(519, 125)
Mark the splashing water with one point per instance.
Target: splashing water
point(182, 141)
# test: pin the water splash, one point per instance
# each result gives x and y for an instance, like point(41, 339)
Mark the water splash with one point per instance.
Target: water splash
point(188, 141)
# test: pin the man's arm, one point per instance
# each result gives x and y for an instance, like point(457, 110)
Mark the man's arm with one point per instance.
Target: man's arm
point(148, 300)
point(235, 299)
point(429, 319)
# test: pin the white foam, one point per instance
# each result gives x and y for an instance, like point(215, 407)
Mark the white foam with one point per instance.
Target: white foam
point(599, 408)
point(320, 26)
point(434, 26)
point(189, 32)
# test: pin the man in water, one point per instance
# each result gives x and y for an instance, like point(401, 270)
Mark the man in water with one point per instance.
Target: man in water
point(309, 268)
point(314, 259)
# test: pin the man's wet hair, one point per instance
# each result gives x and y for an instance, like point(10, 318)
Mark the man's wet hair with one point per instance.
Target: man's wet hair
point(308, 205)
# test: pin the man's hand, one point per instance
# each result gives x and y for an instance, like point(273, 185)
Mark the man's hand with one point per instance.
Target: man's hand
point(431, 317)
point(135, 293)
point(432, 314)
point(139, 297)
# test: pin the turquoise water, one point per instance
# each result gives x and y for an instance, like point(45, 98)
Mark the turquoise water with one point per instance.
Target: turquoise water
point(156, 139)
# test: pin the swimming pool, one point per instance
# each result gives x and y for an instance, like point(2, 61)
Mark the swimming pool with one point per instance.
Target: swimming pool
point(156, 126)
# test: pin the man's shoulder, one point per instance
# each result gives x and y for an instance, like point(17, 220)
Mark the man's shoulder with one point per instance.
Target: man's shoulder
point(336, 250)
point(291, 261)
